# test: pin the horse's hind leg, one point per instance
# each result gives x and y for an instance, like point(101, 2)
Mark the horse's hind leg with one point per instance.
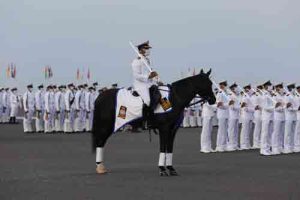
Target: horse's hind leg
point(101, 140)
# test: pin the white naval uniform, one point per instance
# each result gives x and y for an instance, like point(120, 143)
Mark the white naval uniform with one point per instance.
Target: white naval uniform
point(297, 131)
point(278, 129)
point(141, 83)
point(6, 106)
point(89, 107)
point(208, 112)
point(246, 119)
point(222, 115)
point(28, 105)
point(290, 123)
point(14, 104)
point(233, 123)
point(40, 110)
point(78, 112)
point(267, 123)
point(257, 102)
point(69, 112)
point(83, 112)
point(59, 111)
point(199, 114)
point(48, 112)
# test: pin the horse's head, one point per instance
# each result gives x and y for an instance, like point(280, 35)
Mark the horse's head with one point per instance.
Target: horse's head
point(203, 86)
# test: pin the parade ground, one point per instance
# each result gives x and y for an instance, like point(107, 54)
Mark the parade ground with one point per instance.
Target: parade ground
point(61, 166)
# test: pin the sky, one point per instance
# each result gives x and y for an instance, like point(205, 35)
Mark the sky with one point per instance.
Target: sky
point(242, 41)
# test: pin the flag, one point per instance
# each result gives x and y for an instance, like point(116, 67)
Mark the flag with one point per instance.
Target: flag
point(46, 72)
point(11, 70)
point(88, 74)
point(50, 73)
point(78, 74)
point(8, 71)
point(82, 74)
point(14, 73)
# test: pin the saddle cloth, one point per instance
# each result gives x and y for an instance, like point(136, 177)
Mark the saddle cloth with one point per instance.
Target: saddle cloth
point(130, 108)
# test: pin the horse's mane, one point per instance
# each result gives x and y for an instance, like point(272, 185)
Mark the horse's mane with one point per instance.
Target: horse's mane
point(184, 80)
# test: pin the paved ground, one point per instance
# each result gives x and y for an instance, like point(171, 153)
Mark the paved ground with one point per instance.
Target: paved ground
point(39, 166)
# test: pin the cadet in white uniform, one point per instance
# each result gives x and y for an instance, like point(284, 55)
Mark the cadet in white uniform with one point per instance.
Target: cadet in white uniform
point(297, 131)
point(246, 118)
point(233, 119)
point(279, 118)
point(59, 109)
point(257, 102)
point(5, 105)
point(48, 110)
point(143, 78)
point(83, 116)
point(14, 105)
point(29, 109)
point(69, 105)
point(208, 112)
point(267, 119)
point(222, 115)
point(40, 109)
point(78, 111)
point(291, 107)
point(89, 103)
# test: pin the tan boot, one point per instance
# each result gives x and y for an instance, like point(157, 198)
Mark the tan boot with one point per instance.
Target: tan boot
point(101, 169)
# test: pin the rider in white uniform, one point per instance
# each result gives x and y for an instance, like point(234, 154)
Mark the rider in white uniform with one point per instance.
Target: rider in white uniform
point(143, 78)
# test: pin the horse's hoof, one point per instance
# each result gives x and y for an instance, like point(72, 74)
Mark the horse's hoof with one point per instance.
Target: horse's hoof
point(101, 169)
point(163, 173)
point(172, 171)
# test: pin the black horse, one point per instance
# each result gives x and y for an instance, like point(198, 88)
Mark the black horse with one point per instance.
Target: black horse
point(181, 94)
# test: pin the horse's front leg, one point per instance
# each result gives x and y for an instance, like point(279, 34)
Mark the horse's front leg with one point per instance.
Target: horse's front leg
point(162, 154)
point(169, 154)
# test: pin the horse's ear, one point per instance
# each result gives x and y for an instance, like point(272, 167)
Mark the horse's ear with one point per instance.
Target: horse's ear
point(201, 72)
point(209, 72)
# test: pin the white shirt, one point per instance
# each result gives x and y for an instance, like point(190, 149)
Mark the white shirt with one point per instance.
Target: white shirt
point(58, 101)
point(291, 112)
point(267, 107)
point(69, 96)
point(247, 111)
point(14, 100)
point(234, 109)
point(222, 111)
point(140, 74)
point(77, 99)
point(39, 100)
point(28, 101)
point(47, 101)
point(257, 101)
point(279, 114)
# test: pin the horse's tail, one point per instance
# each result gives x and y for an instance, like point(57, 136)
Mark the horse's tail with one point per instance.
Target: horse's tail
point(95, 129)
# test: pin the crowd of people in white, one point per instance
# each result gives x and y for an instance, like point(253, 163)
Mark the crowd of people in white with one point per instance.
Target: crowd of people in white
point(270, 115)
point(57, 109)
point(267, 114)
